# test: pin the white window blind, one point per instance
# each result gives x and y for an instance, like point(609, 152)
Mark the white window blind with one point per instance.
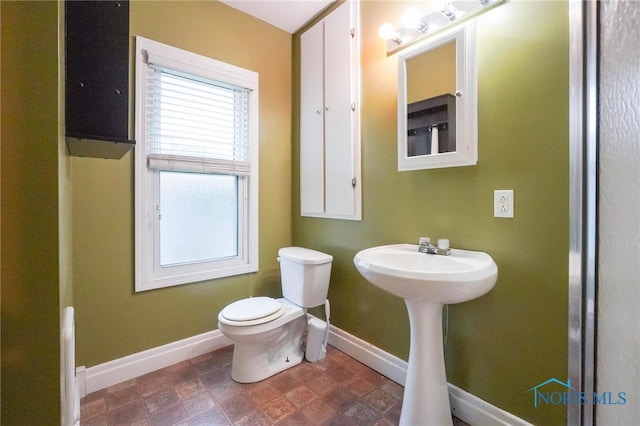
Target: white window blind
point(195, 124)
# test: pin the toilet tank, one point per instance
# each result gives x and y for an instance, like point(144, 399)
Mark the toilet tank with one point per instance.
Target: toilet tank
point(305, 275)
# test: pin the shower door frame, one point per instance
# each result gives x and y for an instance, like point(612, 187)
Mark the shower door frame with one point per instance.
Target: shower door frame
point(583, 135)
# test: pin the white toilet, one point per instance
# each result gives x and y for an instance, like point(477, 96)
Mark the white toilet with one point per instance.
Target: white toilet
point(268, 333)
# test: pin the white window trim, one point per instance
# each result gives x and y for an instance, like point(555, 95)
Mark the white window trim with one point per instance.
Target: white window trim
point(149, 275)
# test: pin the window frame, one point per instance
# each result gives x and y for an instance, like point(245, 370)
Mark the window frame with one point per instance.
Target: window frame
point(149, 274)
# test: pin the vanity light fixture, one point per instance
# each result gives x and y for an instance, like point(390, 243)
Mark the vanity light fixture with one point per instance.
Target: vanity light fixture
point(415, 25)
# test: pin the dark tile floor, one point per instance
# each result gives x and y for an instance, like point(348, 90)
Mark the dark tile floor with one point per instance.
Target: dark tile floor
point(337, 390)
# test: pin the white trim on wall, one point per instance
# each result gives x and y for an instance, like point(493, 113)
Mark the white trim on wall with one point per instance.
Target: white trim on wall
point(464, 405)
point(475, 411)
point(373, 357)
point(131, 366)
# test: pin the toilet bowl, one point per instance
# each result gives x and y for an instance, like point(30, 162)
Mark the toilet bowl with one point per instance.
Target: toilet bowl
point(265, 348)
point(268, 334)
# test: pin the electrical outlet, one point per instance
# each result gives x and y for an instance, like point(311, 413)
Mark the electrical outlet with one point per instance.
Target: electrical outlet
point(503, 203)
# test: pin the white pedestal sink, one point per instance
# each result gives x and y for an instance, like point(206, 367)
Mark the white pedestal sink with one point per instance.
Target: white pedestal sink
point(426, 282)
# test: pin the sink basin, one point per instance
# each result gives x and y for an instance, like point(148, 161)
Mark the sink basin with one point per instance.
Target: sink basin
point(401, 270)
point(426, 282)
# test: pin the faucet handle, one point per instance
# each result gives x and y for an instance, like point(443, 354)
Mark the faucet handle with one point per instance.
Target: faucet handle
point(443, 243)
point(443, 247)
point(423, 244)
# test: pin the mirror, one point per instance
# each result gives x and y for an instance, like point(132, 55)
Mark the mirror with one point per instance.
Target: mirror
point(437, 101)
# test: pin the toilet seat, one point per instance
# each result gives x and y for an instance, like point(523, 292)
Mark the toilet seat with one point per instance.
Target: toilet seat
point(251, 311)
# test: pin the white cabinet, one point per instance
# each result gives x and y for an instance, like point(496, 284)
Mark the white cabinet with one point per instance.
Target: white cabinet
point(330, 184)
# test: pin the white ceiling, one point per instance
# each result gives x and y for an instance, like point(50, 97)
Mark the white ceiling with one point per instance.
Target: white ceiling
point(288, 15)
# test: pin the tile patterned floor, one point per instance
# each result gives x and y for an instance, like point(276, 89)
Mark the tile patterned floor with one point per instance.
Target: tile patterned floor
point(337, 390)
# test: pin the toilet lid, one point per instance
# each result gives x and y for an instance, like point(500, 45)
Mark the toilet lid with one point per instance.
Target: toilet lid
point(253, 308)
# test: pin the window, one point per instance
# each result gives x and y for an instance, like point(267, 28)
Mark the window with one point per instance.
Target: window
point(196, 167)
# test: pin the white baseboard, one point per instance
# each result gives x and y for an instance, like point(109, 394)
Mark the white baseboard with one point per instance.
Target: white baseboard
point(119, 370)
point(464, 405)
point(373, 357)
point(478, 412)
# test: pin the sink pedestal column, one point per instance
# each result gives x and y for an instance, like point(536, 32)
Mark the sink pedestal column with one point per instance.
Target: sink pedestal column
point(426, 397)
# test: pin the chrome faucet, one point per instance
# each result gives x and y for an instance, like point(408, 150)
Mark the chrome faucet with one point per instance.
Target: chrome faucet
point(425, 246)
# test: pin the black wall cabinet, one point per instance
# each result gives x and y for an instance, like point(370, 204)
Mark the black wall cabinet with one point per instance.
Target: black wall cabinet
point(97, 78)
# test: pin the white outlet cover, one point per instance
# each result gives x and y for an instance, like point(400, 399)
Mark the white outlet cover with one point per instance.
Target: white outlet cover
point(503, 203)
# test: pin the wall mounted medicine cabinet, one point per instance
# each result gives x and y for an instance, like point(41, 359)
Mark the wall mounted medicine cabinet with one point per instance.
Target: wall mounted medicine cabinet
point(97, 78)
point(330, 184)
point(437, 101)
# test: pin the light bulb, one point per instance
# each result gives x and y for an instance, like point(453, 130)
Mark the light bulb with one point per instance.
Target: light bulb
point(411, 18)
point(387, 32)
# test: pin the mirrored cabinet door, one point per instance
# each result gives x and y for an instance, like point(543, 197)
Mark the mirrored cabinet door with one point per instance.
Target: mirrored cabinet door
point(437, 97)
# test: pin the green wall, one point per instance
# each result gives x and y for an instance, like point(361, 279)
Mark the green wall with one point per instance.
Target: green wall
point(52, 206)
point(112, 320)
point(29, 214)
point(433, 74)
point(514, 338)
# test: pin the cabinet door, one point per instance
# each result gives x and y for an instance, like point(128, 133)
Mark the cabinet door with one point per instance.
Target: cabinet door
point(329, 117)
point(97, 78)
point(97, 68)
point(339, 191)
point(312, 121)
